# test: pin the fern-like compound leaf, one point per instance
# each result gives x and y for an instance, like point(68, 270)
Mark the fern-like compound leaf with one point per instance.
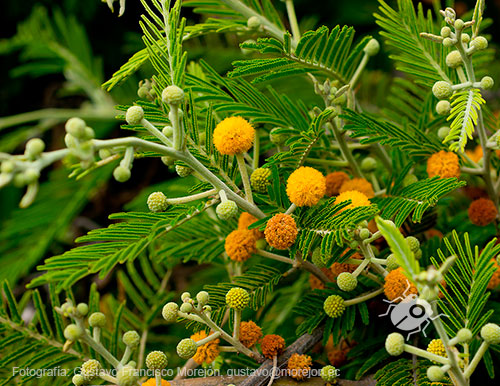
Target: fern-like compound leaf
point(465, 109)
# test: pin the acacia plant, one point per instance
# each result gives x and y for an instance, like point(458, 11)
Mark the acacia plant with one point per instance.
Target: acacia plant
point(306, 227)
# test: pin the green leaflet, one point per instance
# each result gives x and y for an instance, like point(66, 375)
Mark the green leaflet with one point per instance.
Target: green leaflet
point(465, 108)
point(117, 244)
point(328, 51)
point(465, 293)
point(415, 199)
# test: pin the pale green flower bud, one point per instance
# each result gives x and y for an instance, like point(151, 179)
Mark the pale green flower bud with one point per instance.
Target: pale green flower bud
point(443, 108)
point(121, 174)
point(34, 147)
point(487, 82)
point(442, 90)
point(372, 47)
point(172, 95)
point(134, 115)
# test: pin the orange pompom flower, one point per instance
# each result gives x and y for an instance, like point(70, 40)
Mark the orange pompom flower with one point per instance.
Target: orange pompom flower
point(281, 231)
point(359, 184)
point(272, 345)
point(316, 283)
point(334, 181)
point(234, 135)
point(357, 199)
point(245, 220)
point(250, 333)
point(207, 352)
point(240, 244)
point(338, 268)
point(443, 164)
point(396, 286)
point(495, 279)
point(482, 211)
point(306, 186)
point(299, 366)
point(152, 382)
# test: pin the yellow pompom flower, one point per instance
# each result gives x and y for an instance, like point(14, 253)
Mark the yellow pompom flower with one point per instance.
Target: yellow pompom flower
point(436, 346)
point(306, 186)
point(357, 199)
point(237, 298)
point(152, 382)
point(206, 353)
point(299, 366)
point(234, 135)
point(360, 185)
point(334, 306)
point(443, 164)
point(260, 179)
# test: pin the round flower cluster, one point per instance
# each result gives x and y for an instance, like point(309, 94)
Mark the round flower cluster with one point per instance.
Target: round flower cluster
point(240, 244)
point(306, 186)
point(233, 135)
point(329, 373)
point(482, 211)
point(334, 181)
point(495, 279)
point(226, 210)
point(299, 366)
point(316, 283)
point(443, 164)
point(272, 345)
point(90, 370)
point(186, 348)
point(396, 284)
point(491, 333)
point(206, 353)
point(152, 382)
point(347, 281)
point(237, 298)
point(281, 231)
point(357, 199)
point(250, 333)
point(245, 220)
point(338, 268)
point(360, 185)
point(436, 347)
point(394, 344)
point(260, 179)
point(334, 306)
point(156, 360)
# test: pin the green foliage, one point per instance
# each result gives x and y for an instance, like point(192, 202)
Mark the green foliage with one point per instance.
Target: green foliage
point(423, 59)
point(405, 372)
point(415, 199)
point(117, 244)
point(331, 224)
point(329, 52)
point(406, 137)
point(399, 247)
point(465, 108)
point(465, 293)
point(28, 234)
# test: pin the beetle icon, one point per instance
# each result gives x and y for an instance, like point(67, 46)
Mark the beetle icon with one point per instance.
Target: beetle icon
point(409, 313)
